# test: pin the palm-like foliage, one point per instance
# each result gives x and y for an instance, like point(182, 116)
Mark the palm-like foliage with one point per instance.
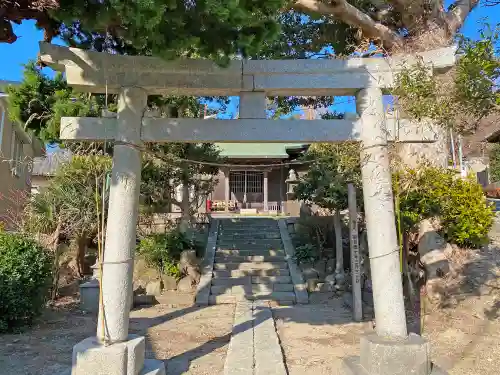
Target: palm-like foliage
point(71, 204)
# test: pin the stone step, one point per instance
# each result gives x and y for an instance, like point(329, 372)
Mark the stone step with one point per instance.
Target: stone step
point(245, 252)
point(249, 247)
point(284, 297)
point(222, 258)
point(250, 266)
point(272, 287)
point(248, 229)
point(250, 289)
point(247, 280)
point(284, 279)
point(248, 220)
point(243, 273)
point(264, 233)
point(248, 241)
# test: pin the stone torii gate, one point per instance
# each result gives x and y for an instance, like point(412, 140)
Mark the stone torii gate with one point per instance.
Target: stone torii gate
point(133, 78)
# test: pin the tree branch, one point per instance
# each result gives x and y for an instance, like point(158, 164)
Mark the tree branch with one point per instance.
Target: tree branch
point(458, 12)
point(351, 15)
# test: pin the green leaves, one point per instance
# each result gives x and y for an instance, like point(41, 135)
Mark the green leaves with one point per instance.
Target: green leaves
point(70, 198)
point(460, 98)
point(494, 157)
point(215, 29)
point(39, 102)
point(162, 251)
point(325, 183)
point(459, 204)
point(25, 270)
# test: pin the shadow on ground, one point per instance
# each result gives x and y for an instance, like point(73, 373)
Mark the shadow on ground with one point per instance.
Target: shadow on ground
point(190, 359)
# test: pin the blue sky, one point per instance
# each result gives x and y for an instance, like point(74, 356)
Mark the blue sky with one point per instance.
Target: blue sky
point(13, 56)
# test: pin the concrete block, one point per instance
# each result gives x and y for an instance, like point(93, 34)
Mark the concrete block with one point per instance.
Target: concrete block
point(91, 357)
point(89, 296)
point(352, 366)
point(153, 367)
point(136, 349)
point(380, 356)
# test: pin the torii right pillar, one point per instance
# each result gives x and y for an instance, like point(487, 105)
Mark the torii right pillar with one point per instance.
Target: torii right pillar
point(389, 351)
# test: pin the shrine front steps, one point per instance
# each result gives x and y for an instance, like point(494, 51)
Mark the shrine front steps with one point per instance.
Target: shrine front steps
point(281, 298)
point(250, 264)
point(248, 252)
point(249, 280)
point(223, 258)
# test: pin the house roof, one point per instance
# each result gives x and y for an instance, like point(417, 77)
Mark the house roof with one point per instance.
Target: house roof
point(494, 135)
point(256, 150)
point(488, 131)
point(4, 84)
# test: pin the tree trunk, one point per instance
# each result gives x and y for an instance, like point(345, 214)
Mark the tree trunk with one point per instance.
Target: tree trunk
point(55, 248)
point(339, 251)
point(185, 209)
point(80, 254)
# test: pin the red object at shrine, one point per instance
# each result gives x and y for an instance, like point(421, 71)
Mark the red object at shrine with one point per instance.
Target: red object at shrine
point(209, 205)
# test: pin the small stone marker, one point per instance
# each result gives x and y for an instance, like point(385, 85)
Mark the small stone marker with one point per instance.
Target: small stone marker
point(355, 258)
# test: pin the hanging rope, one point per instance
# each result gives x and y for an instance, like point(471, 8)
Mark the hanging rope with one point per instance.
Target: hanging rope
point(170, 158)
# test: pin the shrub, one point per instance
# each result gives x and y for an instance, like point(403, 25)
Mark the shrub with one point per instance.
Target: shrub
point(494, 155)
point(305, 254)
point(25, 274)
point(459, 204)
point(162, 251)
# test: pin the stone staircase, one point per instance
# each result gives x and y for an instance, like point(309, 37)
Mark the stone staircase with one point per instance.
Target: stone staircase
point(250, 263)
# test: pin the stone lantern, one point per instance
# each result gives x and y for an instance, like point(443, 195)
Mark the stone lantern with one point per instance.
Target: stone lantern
point(291, 182)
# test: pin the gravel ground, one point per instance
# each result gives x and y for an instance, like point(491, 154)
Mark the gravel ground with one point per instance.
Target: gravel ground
point(191, 340)
point(464, 333)
point(316, 337)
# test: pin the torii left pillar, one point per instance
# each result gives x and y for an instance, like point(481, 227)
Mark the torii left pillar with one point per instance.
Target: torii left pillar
point(113, 350)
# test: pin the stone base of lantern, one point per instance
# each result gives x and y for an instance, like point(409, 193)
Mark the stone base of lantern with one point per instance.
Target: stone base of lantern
point(380, 356)
point(125, 358)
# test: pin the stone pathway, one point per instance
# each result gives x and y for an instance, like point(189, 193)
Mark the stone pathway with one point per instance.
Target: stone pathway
point(254, 348)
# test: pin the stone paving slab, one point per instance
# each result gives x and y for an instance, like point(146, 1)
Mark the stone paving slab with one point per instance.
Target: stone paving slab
point(267, 349)
point(254, 348)
point(239, 358)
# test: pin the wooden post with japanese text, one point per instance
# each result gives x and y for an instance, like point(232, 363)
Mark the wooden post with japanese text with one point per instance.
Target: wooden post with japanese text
point(357, 302)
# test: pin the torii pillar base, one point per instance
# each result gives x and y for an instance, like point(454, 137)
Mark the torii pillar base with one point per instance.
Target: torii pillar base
point(124, 358)
point(381, 356)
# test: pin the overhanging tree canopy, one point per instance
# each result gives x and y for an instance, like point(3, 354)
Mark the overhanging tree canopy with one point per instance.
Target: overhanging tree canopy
point(219, 29)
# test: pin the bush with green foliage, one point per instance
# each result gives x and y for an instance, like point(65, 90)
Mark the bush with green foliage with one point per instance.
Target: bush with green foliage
point(25, 275)
point(306, 253)
point(494, 155)
point(459, 204)
point(162, 251)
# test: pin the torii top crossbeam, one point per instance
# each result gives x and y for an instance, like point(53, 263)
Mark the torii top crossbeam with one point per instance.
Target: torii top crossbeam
point(100, 72)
